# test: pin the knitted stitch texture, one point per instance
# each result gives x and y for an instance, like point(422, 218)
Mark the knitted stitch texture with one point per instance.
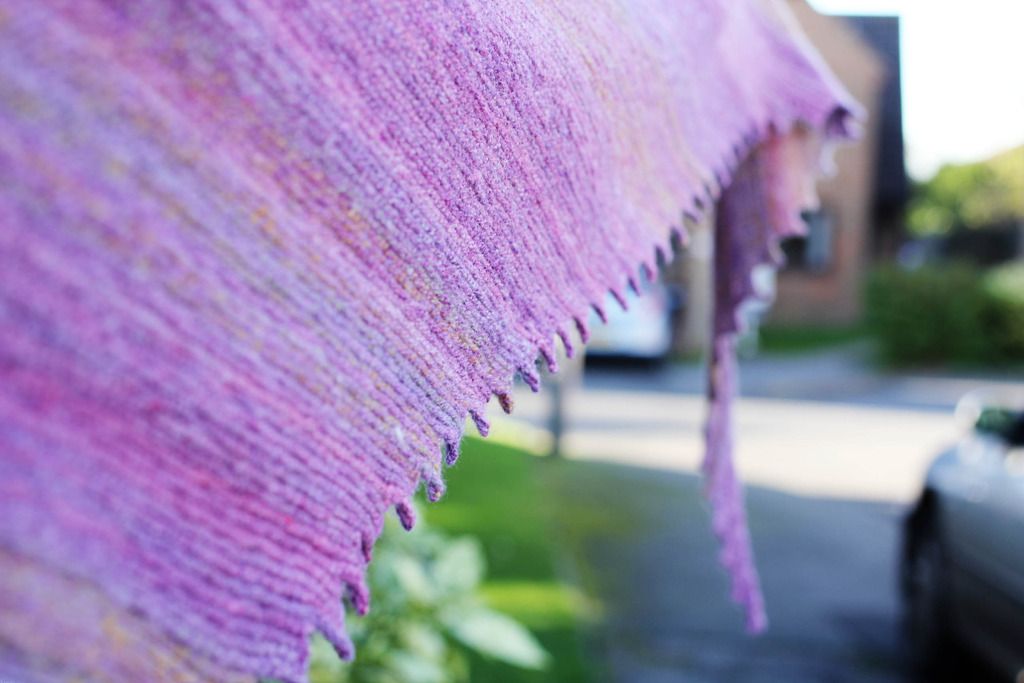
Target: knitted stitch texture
point(260, 259)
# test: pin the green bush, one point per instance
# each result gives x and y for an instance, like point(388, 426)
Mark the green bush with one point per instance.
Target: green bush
point(428, 613)
point(947, 315)
point(1004, 288)
point(431, 620)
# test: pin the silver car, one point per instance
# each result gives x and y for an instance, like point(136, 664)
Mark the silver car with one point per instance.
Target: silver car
point(963, 553)
point(644, 332)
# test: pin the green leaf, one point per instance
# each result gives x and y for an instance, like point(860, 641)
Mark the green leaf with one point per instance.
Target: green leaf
point(411, 668)
point(459, 567)
point(413, 579)
point(495, 635)
point(424, 640)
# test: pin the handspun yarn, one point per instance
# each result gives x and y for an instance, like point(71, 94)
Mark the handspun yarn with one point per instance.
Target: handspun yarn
point(260, 259)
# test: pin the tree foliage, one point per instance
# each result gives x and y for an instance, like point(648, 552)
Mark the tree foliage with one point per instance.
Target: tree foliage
point(970, 196)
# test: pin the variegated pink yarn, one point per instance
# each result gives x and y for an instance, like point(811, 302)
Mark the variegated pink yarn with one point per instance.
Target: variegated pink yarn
point(259, 260)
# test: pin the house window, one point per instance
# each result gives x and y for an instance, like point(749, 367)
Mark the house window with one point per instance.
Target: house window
point(813, 252)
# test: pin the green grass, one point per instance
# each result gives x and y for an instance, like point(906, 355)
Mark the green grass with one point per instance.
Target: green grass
point(500, 495)
point(793, 339)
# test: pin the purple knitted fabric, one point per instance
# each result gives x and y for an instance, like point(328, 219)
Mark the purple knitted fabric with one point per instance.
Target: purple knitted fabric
point(259, 259)
point(753, 213)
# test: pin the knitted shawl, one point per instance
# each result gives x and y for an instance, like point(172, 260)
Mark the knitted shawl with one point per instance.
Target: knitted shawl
point(259, 259)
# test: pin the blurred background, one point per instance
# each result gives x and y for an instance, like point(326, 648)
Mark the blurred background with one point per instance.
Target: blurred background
point(582, 519)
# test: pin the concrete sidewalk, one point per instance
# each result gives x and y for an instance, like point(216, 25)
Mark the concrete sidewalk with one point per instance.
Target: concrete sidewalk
point(825, 424)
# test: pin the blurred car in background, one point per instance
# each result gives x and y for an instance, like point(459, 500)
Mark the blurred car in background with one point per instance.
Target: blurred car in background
point(963, 553)
point(642, 333)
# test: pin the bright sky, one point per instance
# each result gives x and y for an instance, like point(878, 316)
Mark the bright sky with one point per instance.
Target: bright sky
point(963, 76)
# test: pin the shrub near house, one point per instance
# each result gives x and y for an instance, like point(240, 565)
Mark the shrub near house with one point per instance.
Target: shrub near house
point(940, 315)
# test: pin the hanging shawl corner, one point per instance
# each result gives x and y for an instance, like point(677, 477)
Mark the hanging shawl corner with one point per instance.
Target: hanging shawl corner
point(761, 206)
